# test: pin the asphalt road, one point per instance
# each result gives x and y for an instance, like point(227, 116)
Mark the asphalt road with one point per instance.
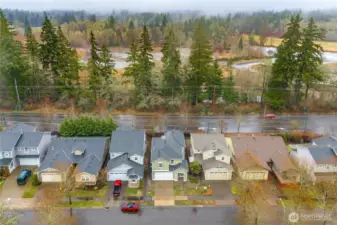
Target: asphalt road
point(149, 216)
point(248, 123)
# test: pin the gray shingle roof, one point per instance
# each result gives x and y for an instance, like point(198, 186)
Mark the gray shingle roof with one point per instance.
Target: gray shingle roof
point(326, 141)
point(60, 152)
point(5, 162)
point(8, 140)
point(136, 169)
point(204, 142)
point(183, 165)
point(20, 127)
point(129, 141)
point(30, 139)
point(323, 155)
point(168, 146)
point(212, 163)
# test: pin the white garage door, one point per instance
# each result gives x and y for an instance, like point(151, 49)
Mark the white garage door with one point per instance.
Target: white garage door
point(162, 176)
point(256, 175)
point(216, 176)
point(117, 176)
point(29, 161)
point(51, 177)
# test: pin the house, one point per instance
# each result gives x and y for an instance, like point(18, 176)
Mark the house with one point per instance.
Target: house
point(214, 155)
point(127, 150)
point(22, 148)
point(168, 157)
point(319, 158)
point(20, 127)
point(81, 156)
point(256, 156)
point(330, 141)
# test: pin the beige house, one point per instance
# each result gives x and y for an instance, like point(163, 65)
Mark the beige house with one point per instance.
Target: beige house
point(81, 156)
point(214, 155)
point(256, 156)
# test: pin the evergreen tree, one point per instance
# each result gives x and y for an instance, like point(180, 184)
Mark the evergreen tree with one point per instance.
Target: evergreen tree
point(286, 65)
point(164, 22)
point(145, 62)
point(32, 46)
point(229, 94)
point(110, 23)
point(214, 82)
point(107, 63)
point(311, 56)
point(200, 60)
point(240, 45)
point(132, 69)
point(171, 64)
point(94, 64)
point(131, 25)
point(26, 25)
point(49, 48)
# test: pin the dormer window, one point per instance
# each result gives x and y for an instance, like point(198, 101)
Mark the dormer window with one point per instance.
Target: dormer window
point(79, 149)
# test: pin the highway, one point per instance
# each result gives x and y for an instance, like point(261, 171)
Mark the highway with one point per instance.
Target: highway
point(324, 124)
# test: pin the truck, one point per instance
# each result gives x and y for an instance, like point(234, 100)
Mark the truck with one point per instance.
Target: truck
point(117, 188)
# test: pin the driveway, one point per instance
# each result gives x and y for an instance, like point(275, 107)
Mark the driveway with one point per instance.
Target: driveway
point(10, 189)
point(220, 188)
point(163, 188)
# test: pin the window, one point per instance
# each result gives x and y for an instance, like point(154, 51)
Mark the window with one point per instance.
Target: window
point(136, 158)
point(85, 178)
point(222, 158)
point(160, 165)
point(6, 154)
point(26, 150)
point(172, 161)
point(19, 149)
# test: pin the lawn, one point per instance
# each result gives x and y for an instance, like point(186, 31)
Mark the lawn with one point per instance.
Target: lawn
point(81, 193)
point(148, 203)
point(194, 202)
point(30, 189)
point(188, 191)
point(150, 193)
point(83, 204)
point(132, 191)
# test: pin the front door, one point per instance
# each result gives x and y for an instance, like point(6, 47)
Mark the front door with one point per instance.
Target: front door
point(181, 176)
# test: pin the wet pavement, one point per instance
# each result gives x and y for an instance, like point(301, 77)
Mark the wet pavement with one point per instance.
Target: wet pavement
point(324, 124)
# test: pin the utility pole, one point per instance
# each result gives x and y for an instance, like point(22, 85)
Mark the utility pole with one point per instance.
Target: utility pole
point(18, 105)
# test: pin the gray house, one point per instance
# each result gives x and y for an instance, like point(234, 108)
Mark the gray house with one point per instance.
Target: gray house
point(20, 148)
point(127, 150)
point(168, 157)
point(20, 127)
point(83, 155)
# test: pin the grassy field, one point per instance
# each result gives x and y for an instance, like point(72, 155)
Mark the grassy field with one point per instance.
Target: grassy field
point(80, 193)
point(83, 204)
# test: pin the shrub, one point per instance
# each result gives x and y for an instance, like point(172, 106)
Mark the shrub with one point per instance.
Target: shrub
point(87, 126)
point(35, 180)
point(195, 168)
point(6, 172)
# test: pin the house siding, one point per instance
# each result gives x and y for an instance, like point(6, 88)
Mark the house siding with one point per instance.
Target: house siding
point(92, 179)
point(165, 165)
point(207, 154)
point(180, 170)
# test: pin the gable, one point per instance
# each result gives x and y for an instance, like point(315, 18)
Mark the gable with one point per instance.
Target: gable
point(121, 167)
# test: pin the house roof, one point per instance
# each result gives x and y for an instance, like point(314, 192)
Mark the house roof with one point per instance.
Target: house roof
point(323, 155)
point(326, 141)
point(61, 153)
point(8, 140)
point(20, 127)
point(183, 165)
point(212, 163)
point(30, 139)
point(260, 150)
point(169, 146)
point(130, 141)
point(204, 142)
point(136, 169)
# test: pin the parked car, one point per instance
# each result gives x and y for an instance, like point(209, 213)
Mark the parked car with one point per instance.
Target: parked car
point(23, 176)
point(117, 188)
point(130, 207)
point(270, 116)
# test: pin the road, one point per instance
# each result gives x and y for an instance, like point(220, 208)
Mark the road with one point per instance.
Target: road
point(150, 216)
point(248, 123)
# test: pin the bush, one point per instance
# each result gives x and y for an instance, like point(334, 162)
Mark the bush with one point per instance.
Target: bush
point(35, 180)
point(195, 168)
point(87, 126)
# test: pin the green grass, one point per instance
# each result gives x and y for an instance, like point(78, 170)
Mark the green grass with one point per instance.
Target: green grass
point(30, 189)
point(150, 193)
point(83, 204)
point(81, 193)
point(131, 191)
point(1, 184)
point(177, 190)
point(148, 203)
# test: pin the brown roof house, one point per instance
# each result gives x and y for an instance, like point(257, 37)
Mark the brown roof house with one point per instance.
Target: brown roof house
point(254, 157)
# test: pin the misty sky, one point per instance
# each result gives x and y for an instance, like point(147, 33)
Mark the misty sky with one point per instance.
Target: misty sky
point(208, 6)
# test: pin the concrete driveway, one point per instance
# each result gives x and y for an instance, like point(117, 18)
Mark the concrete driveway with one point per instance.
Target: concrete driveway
point(10, 188)
point(163, 188)
point(220, 188)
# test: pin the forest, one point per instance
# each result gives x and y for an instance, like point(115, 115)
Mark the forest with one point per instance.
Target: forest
point(44, 68)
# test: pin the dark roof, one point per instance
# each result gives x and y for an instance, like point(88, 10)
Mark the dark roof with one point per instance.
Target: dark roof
point(326, 141)
point(20, 127)
point(323, 155)
point(129, 141)
point(61, 152)
point(136, 169)
point(183, 165)
point(30, 139)
point(169, 146)
point(28, 156)
point(5, 162)
point(8, 140)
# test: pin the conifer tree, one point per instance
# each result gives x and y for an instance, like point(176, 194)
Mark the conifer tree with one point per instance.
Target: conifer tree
point(132, 69)
point(171, 64)
point(240, 45)
point(215, 81)
point(94, 64)
point(107, 63)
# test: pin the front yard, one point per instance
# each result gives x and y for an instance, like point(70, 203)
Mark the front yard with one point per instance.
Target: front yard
point(191, 190)
point(30, 189)
point(79, 204)
point(194, 202)
point(83, 193)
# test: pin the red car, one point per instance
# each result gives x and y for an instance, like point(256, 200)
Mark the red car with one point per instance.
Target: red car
point(269, 116)
point(130, 207)
point(117, 188)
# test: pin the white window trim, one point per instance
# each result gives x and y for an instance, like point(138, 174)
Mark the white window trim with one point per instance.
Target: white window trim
point(172, 161)
point(160, 165)
point(85, 178)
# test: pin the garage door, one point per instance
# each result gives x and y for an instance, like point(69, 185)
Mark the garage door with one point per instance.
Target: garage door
point(255, 175)
point(216, 175)
point(29, 161)
point(51, 177)
point(117, 176)
point(162, 176)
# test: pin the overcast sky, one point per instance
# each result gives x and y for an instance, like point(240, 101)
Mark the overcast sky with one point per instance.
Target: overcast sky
point(208, 6)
